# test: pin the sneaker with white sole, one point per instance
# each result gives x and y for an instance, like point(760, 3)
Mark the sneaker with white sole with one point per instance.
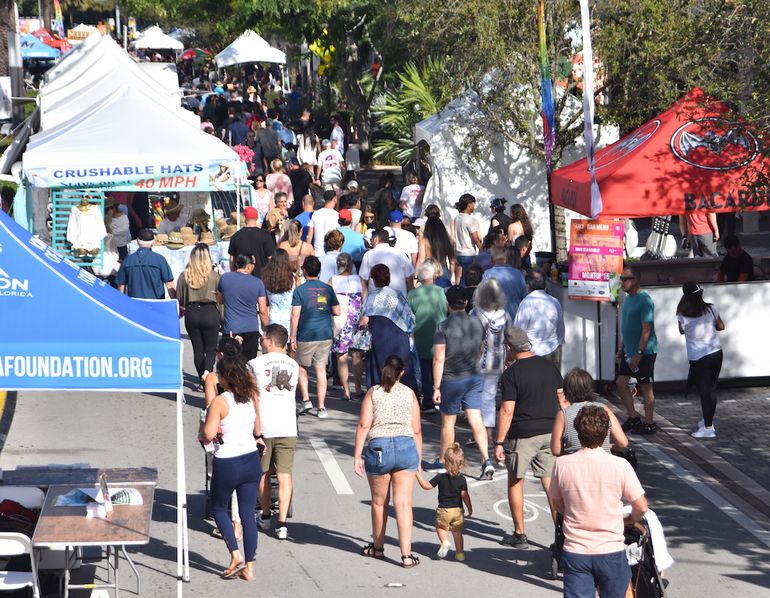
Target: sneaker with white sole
point(704, 432)
point(702, 424)
point(487, 470)
point(264, 524)
point(322, 413)
point(437, 467)
point(443, 549)
point(282, 532)
point(304, 407)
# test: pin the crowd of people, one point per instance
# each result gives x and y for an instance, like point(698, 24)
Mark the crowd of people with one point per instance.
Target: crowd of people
point(430, 317)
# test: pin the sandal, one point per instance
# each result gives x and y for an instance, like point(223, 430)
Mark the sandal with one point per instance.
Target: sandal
point(372, 551)
point(233, 571)
point(414, 561)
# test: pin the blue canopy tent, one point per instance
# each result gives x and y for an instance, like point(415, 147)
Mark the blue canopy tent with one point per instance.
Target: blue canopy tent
point(121, 344)
point(32, 47)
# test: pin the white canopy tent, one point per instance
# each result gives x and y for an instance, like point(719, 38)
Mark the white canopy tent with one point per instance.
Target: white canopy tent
point(127, 129)
point(153, 38)
point(94, 79)
point(70, 58)
point(508, 170)
point(249, 47)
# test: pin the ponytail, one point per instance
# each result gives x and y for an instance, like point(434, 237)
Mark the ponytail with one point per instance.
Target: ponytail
point(392, 369)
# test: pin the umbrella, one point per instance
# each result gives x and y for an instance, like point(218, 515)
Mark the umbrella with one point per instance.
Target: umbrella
point(694, 156)
point(193, 53)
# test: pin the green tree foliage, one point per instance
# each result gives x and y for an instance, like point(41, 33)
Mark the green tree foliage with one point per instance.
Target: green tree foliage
point(422, 91)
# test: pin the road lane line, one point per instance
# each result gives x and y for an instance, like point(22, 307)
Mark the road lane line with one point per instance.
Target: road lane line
point(675, 467)
point(333, 470)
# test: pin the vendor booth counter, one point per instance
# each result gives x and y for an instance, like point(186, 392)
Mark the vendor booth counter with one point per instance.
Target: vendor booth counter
point(590, 327)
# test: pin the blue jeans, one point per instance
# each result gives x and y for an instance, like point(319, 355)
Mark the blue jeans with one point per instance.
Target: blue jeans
point(583, 573)
point(242, 475)
point(387, 454)
point(461, 393)
point(465, 261)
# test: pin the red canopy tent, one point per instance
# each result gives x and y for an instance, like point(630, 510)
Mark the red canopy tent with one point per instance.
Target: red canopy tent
point(54, 41)
point(693, 156)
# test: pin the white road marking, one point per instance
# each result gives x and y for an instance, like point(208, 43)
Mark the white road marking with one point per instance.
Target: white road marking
point(701, 488)
point(684, 403)
point(333, 470)
point(531, 508)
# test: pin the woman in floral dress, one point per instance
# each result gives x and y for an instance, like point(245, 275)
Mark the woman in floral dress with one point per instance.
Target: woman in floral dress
point(350, 291)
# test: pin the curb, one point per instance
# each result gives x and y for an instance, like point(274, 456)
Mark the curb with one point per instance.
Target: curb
point(8, 408)
point(727, 480)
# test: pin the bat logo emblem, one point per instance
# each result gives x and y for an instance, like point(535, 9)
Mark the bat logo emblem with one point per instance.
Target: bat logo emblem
point(714, 144)
point(630, 144)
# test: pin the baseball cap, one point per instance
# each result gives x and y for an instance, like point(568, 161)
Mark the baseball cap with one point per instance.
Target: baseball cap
point(250, 213)
point(396, 216)
point(497, 202)
point(346, 215)
point(517, 338)
point(691, 288)
point(353, 185)
point(456, 297)
point(420, 222)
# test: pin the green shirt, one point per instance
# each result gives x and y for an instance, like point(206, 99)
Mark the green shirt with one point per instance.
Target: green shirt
point(637, 310)
point(428, 303)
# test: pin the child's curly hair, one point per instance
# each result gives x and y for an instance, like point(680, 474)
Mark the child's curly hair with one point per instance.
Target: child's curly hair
point(454, 460)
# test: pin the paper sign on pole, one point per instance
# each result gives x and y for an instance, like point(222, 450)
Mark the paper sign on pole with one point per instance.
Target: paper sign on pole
point(595, 253)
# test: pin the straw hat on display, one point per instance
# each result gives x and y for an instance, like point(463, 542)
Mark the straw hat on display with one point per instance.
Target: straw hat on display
point(207, 237)
point(161, 239)
point(201, 218)
point(175, 240)
point(188, 236)
point(227, 231)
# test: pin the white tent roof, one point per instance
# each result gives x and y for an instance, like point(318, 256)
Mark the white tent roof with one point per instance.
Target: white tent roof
point(83, 28)
point(73, 56)
point(93, 78)
point(127, 129)
point(249, 47)
point(153, 38)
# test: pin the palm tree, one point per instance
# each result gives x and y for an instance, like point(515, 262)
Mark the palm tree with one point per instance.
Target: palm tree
point(422, 91)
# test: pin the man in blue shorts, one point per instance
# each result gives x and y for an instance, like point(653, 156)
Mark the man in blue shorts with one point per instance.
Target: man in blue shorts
point(457, 383)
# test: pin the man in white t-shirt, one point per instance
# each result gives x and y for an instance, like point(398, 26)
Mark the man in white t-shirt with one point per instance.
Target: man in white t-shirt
point(405, 241)
point(400, 266)
point(411, 197)
point(277, 377)
point(330, 166)
point(321, 222)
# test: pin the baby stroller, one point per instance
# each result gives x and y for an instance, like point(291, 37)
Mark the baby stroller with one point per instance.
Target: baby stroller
point(646, 581)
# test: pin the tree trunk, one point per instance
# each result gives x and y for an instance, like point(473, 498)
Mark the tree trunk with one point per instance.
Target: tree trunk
point(46, 7)
point(7, 25)
point(351, 88)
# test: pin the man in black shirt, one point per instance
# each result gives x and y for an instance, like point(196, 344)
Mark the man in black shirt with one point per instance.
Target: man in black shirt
point(300, 184)
point(737, 266)
point(530, 389)
point(252, 240)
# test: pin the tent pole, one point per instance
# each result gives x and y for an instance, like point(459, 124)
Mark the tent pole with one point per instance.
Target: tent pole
point(182, 550)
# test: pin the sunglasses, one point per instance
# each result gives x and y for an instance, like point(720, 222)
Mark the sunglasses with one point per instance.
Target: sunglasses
point(626, 278)
point(369, 218)
point(260, 180)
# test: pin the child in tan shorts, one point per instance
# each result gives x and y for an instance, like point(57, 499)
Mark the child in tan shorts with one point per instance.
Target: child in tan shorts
point(452, 493)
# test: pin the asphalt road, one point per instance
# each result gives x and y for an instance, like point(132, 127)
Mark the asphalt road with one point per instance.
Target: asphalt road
point(719, 549)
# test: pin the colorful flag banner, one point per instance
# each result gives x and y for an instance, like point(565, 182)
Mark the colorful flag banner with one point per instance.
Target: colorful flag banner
point(546, 89)
point(58, 19)
point(588, 106)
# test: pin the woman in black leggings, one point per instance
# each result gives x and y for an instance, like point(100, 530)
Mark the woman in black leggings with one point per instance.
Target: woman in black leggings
point(699, 322)
point(196, 292)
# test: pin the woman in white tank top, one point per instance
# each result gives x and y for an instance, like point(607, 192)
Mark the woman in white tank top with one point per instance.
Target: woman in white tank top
point(232, 420)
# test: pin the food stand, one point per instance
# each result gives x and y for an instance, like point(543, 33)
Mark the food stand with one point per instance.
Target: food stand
point(696, 156)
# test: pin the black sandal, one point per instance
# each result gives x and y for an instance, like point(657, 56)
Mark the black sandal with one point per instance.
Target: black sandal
point(414, 561)
point(372, 551)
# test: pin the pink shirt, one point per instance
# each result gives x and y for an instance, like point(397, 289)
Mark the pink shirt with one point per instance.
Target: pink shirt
point(591, 483)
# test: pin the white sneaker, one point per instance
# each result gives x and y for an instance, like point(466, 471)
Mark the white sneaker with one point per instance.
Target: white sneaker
point(322, 413)
point(704, 432)
point(282, 533)
point(701, 424)
point(444, 549)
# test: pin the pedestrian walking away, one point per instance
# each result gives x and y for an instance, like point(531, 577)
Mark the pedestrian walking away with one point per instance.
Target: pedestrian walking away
point(699, 322)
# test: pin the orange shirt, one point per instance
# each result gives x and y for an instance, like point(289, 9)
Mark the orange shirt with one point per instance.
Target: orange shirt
point(698, 223)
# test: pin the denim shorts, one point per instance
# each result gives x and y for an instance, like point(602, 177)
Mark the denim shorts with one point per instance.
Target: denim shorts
point(462, 393)
point(390, 453)
point(583, 573)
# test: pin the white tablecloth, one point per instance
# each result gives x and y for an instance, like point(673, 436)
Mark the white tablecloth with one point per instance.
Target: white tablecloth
point(177, 258)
